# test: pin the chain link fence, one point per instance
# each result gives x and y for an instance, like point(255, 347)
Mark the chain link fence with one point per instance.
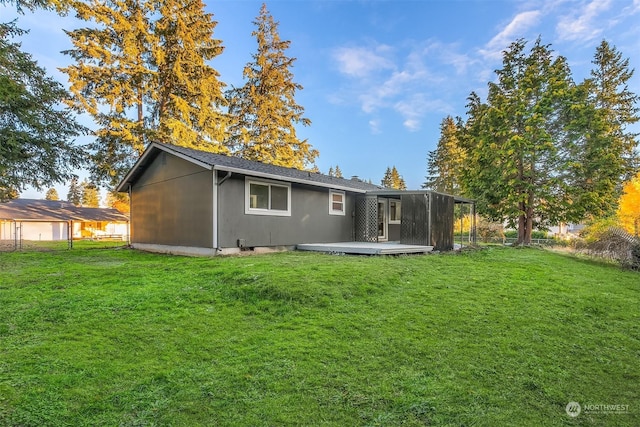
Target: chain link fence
point(16, 236)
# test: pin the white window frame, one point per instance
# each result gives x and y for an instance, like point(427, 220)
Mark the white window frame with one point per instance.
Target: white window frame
point(269, 212)
point(395, 221)
point(344, 202)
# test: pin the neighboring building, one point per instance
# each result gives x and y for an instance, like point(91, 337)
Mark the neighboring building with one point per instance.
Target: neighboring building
point(187, 201)
point(31, 219)
point(566, 229)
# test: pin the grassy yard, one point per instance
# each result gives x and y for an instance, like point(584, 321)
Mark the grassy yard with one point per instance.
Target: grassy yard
point(490, 338)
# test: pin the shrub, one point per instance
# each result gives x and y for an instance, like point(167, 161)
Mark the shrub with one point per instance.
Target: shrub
point(615, 243)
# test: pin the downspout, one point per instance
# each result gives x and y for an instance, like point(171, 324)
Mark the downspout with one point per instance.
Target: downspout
point(214, 211)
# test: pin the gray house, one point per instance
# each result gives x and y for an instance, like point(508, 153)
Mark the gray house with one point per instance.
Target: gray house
point(186, 201)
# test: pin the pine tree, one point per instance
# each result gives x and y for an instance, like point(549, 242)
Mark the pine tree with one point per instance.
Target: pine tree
point(59, 5)
point(90, 195)
point(52, 194)
point(610, 92)
point(445, 163)
point(386, 180)
point(338, 172)
point(140, 73)
point(517, 145)
point(330, 173)
point(397, 181)
point(75, 192)
point(603, 152)
point(37, 147)
point(187, 93)
point(111, 80)
point(392, 179)
point(264, 112)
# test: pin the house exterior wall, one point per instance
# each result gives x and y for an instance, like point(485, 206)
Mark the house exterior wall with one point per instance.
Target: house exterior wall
point(172, 204)
point(7, 230)
point(42, 231)
point(442, 221)
point(414, 227)
point(310, 221)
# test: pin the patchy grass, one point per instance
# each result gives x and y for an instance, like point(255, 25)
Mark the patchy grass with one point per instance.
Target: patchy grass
point(492, 337)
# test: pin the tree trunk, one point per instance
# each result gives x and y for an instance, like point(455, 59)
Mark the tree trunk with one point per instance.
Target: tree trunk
point(522, 224)
point(529, 227)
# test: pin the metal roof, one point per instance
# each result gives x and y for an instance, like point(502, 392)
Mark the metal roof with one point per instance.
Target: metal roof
point(234, 164)
point(55, 210)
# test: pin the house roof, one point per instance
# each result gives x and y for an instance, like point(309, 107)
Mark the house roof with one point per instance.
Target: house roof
point(55, 210)
point(247, 167)
point(389, 192)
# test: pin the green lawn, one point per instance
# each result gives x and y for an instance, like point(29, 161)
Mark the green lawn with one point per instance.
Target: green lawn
point(494, 337)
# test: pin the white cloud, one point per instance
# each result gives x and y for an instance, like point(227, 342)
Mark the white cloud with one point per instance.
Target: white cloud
point(447, 54)
point(362, 61)
point(374, 125)
point(413, 108)
point(404, 86)
point(583, 23)
point(513, 30)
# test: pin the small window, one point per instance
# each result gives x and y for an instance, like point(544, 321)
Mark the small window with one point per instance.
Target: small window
point(267, 198)
point(394, 212)
point(336, 202)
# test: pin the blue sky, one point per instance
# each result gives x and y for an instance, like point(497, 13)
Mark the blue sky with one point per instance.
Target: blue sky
point(379, 76)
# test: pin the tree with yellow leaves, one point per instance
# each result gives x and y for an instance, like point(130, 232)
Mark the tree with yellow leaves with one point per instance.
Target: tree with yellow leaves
point(141, 72)
point(188, 97)
point(264, 111)
point(629, 206)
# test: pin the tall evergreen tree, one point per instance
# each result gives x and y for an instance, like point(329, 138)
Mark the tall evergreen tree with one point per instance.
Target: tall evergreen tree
point(37, 147)
point(603, 152)
point(518, 147)
point(90, 195)
point(75, 192)
point(140, 72)
point(111, 80)
point(445, 163)
point(393, 179)
point(338, 172)
point(330, 173)
point(386, 179)
point(264, 111)
point(187, 93)
point(52, 194)
point(609, 89)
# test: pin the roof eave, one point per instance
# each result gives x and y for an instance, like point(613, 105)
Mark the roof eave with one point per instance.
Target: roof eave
point(288, 179)
point(123, 187)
